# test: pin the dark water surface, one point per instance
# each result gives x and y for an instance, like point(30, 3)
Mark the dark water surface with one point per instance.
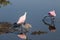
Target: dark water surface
point(36, 9)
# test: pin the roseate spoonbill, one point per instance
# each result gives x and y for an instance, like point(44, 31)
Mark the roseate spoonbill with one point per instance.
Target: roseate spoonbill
point(22, 19)
point(52, 28)
point(15, 26)
point(52, 13)
point(51, 25)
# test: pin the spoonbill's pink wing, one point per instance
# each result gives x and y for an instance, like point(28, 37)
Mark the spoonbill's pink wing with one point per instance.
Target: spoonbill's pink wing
point(22, 19)
point(52, 13)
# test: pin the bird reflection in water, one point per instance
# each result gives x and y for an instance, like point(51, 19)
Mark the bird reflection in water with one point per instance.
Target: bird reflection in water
point(51, 25)
point(23, 36)
point(24, 31)
point(52, 28)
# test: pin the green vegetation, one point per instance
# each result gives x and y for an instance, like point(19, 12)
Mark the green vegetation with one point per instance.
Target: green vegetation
point(4, 3)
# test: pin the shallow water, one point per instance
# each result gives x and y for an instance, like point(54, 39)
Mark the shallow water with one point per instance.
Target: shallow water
point(36, 9)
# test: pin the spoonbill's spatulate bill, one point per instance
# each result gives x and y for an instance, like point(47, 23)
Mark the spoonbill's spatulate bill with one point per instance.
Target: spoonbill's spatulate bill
point(22, 19)
point(52, 13)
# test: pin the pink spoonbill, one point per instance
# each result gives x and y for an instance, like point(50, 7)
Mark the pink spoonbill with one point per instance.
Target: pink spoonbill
point(22, 19)
point(52, 13)
point(51, 24)
point(6, 27)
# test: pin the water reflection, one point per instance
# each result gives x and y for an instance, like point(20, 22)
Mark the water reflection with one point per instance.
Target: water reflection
point(6, 27)
point(20, 27)
point(25, 29)
point(51, 26)
point(24, 36)
point(38, 32)
point(4, 3)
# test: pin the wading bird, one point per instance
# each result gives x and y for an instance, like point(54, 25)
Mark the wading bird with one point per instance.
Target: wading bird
point(22, 19)
point(51, 25)
point(6, 27)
